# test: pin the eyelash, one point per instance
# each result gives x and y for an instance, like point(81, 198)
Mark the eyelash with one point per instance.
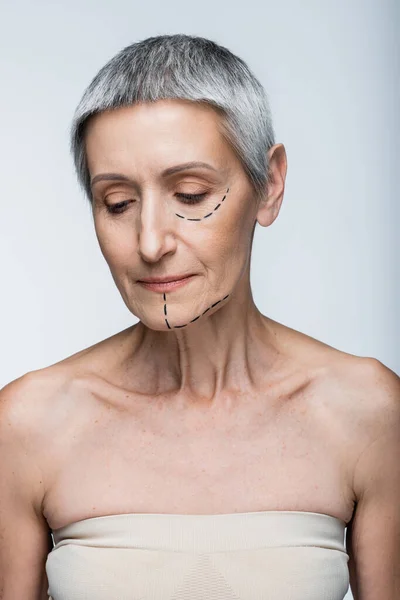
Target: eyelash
point(189, 199)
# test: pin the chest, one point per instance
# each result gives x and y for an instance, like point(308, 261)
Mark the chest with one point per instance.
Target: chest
point(167, 463)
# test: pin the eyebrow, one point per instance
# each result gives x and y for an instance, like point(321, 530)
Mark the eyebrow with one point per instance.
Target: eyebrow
point(165, 173)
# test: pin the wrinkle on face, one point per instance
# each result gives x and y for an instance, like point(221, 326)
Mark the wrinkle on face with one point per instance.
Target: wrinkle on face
point(136, 145)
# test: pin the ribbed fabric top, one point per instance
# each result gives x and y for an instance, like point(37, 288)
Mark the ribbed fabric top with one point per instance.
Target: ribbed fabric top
point(274, 555)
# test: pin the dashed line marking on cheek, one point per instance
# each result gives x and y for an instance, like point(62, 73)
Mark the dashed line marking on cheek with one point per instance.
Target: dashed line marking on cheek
point(215, 303)
point(209, 214)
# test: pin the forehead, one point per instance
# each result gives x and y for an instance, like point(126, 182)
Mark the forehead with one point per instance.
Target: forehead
point(156, 133)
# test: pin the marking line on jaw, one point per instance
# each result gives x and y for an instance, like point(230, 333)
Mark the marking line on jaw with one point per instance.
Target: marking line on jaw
point(215, 303)
point(195, 319)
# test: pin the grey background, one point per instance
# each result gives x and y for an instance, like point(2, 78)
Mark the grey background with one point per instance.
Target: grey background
point(328, 266)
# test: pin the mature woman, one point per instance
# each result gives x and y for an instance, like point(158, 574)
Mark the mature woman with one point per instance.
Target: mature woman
point(207, 451)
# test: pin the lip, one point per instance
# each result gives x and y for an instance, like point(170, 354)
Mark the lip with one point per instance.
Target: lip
point(163, 279)
point(166, 285)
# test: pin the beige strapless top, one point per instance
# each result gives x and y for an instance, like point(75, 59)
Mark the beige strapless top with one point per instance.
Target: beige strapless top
point(270, 555)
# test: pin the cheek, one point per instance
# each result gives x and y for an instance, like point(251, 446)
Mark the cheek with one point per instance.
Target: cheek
point(115, 245)
point(223, 248)
point(230, 236)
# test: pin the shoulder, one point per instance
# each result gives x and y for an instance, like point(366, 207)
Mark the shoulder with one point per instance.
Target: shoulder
point(359, 393)
point(23, 398)
point(20, 397)
point(25, 403)
point(34, 400)
point(22, 434)
point(380, 394)
point(372, 392)
point(358, 399)
point(365, 393)
point(374, 532)
point(33, 388)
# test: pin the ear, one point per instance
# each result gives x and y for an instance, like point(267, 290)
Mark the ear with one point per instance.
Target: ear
point(270, 204)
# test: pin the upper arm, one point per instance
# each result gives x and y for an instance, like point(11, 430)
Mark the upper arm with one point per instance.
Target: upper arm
point(373, 535)
point(25, 537)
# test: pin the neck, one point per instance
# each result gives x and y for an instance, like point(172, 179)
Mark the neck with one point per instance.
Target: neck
point(232, 350)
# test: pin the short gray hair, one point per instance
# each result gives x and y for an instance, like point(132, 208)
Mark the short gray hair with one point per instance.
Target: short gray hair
point(188, 68)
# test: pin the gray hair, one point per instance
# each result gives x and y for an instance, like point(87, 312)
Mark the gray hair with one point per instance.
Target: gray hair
point(188, 68)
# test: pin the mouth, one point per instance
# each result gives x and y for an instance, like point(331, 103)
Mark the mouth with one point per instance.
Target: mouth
point(165, 286)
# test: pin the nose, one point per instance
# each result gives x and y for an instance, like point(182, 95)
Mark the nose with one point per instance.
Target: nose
point(156, 235)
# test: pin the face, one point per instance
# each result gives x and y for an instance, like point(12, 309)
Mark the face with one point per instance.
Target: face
point(155, 217)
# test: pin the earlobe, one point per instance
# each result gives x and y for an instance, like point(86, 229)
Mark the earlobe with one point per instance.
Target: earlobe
point(267, 212)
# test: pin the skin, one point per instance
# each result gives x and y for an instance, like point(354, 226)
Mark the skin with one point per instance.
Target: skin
point(247, 413)
point(210, 356)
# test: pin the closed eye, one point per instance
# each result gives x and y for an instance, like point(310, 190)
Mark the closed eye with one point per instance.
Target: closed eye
point(186, 199)
point(191, 198)
point(116, 208)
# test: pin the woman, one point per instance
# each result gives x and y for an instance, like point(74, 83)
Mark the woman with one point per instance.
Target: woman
point(207, 451)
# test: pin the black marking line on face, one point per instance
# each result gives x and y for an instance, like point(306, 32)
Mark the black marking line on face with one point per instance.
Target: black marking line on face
point(165, 310)
point(215, 303)
point(195, 319)
point(209, 214)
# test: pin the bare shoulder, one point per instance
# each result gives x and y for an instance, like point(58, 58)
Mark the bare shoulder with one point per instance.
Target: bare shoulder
point(37, 401)
point(374, 531)
point(28, 410)
point(360, 390)
point(21, 399)
point(357, 397)
point(377, 394)
point(364, 401)
point(23, 468)
point(371, 394)
point(27, 399)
